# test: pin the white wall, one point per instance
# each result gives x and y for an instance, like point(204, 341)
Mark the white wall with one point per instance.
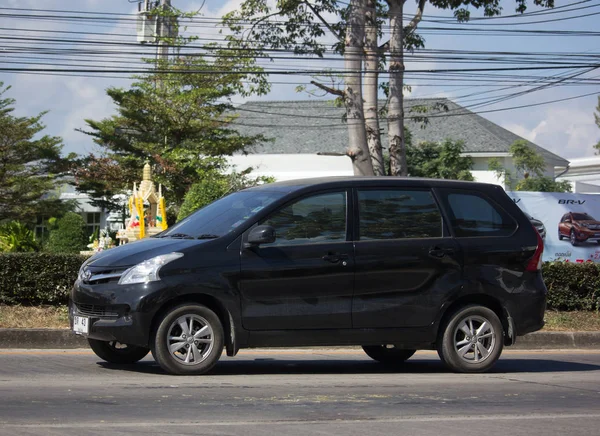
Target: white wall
point(293, 166)
point(299, 166)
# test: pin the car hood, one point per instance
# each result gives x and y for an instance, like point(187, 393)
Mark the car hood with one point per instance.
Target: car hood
point(135, 252)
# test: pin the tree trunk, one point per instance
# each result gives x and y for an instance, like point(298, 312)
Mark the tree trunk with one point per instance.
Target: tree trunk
point(358, 149)
point(396, 98)
point(371, 88)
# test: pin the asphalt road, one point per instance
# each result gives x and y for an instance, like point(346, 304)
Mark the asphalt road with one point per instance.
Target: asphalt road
point(300, 392)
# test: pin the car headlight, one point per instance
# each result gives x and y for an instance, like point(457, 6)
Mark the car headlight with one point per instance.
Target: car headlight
point(147, 271)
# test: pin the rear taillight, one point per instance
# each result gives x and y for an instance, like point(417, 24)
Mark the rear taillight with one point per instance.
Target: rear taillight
point(535, 263)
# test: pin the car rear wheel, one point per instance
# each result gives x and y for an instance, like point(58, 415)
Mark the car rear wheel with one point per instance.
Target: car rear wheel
point(573, 238)
point(471, 340)
point(189, 340)
point(115, 352)
point(388, 354)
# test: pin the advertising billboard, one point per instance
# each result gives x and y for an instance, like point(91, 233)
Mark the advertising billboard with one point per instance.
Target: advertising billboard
point(571, 223)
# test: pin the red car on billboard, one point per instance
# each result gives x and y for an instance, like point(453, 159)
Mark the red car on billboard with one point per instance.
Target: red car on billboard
point(579, 227)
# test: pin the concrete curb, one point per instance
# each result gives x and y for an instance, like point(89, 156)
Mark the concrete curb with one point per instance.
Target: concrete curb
point(65, 339)
point(41, 338)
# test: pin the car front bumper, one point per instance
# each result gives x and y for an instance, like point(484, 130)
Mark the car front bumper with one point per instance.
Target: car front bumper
point(116, 312)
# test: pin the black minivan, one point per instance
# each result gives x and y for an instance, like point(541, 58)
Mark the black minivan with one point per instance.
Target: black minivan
point(392, 264)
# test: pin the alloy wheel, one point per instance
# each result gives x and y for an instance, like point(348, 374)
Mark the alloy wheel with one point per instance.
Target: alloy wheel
point(190, 339)
point(474, 339)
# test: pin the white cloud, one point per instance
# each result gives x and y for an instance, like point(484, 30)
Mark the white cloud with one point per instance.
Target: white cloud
point(520, 130)
point(568, 131)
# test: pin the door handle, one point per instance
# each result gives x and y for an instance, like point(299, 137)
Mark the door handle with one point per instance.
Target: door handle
point(440, 252)
point(335, 257)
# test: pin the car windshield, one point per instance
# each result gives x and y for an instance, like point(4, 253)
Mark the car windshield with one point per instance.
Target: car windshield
point(582, 217)
point(222, 216)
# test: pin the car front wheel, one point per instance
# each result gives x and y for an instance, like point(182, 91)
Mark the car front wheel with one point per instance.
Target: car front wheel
point(388, 354)
point(573, 238)
point(472, 340)
point(189, 340)
point(115, 352)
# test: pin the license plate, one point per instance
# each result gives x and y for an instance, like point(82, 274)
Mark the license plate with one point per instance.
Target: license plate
point(81, 324)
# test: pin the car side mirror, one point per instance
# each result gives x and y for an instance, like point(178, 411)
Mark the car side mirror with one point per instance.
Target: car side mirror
point(260, 235)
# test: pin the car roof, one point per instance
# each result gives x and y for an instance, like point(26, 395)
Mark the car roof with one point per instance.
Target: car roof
point(365, 181)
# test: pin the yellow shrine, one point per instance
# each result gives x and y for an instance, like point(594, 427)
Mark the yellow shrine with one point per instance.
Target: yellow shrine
point(147, 210)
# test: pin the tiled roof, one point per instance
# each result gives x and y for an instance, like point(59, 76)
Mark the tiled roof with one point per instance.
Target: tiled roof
point(311, 126)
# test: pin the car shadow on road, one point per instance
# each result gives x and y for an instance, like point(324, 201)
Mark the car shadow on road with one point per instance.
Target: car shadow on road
point(264, 366)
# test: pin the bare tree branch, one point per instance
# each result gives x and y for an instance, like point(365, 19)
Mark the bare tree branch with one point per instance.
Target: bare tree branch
point(325, 23)
point(327, 88)
point(416, 19)
point(410, 28)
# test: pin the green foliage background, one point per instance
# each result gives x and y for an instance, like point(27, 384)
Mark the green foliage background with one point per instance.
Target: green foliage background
point(69, 235)
point(37, 278)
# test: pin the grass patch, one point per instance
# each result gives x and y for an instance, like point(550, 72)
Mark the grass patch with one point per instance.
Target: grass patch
point(58, 317)
point(51, 317)
point(572, 321)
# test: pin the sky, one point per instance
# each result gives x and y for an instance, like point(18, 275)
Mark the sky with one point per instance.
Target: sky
point(566, 127)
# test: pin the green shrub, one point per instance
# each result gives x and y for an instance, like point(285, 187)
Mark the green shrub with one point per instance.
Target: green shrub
point(572, 286)
point(37, 278)
point(69, 235)
point(210, 188)
point(214, 185)
point(16, 237)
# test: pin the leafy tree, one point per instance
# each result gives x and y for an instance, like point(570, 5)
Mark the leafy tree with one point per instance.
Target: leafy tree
point(301, 26)
point(439, 160)
point(529, 169)
point(30, 165)
point(178, 117)
point(543, 184)
point(17, 237)
point(68, 234)
point(527, 161)
point(214, 185)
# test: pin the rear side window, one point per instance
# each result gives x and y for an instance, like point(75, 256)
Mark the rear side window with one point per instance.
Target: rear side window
point(398, 214)
point(474, 215)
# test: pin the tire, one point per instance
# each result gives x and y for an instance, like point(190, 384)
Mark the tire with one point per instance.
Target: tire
point(388, 354)
point(115, 352)
point(458, 352)
point(573, 238)
point(560, 237)
point(199, 348)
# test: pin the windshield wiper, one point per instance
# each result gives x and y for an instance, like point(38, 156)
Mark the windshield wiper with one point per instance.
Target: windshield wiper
point(208, 236)
point(178, 235)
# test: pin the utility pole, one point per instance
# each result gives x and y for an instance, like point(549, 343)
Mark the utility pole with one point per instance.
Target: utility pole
point(164, 30)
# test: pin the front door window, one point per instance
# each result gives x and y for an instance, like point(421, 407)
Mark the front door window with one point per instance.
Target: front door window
point(312, 220)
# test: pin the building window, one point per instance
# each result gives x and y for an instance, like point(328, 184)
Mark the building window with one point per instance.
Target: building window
point(41, 230)
point(92, 220)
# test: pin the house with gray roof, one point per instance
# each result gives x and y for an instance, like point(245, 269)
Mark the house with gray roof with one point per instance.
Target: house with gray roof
point(302, 134)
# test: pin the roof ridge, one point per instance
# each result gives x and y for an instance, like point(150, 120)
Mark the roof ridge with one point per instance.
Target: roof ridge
point(332, 100)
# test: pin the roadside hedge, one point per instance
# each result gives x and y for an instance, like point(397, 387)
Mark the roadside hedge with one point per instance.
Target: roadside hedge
point(37, 278)
point(572, 286)
point(46, 278)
